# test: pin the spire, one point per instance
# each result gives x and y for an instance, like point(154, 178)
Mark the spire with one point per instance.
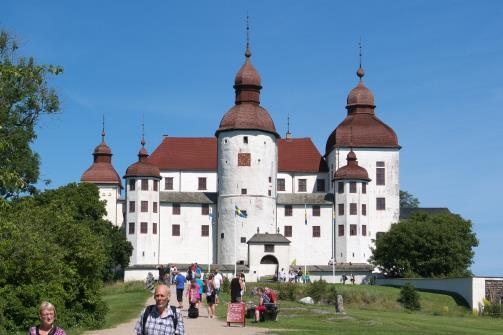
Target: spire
point(247, 81)
point(288, 133)
point(360, 73)
point(143, 154)
point(103, 129)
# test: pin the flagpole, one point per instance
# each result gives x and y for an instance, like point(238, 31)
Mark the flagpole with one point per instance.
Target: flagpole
point(209, 239)
point(305, 244)
point(235, 244)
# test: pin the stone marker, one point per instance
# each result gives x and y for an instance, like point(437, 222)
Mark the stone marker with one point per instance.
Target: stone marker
point(339, 306)
point(307, 301)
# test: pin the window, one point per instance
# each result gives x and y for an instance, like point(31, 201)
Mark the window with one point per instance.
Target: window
point(316, 231)
point(364, 188)
point(243, 239)
point(144, 184)
point(222, 235)
point(288, 231)
point(269, 193)
point(281, 184)
point(131, 207)
point(244, 191)
point(270, 179)
point(168, 183)
point(268, 247)
point(205, 209)
point(340, 209)
point(245, 139)
point(132, 183)
point(352, 187)
point(352, 208)
point(340, 187)
point(154, 228)
point(131, 227)
point(380, 180)
point(302, 185)
point(352, 229)
point(316, 210)
point(205, 230)
point(288, 210)
point(175, 230)
point(341, 230)
point(364, 209)
point(244, 159)
point(201, 185)
point(155, 207)
point(156, 185)
point(144, 206)
point(176, 209)
point(320, 185)
point(364, 230)
point(143, 227)
point(381, 204)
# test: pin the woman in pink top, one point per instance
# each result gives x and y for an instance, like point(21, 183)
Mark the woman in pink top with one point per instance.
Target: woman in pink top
point(47, 315)
point(193, 293)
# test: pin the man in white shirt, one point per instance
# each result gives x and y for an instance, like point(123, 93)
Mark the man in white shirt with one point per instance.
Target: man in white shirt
point(217, 280)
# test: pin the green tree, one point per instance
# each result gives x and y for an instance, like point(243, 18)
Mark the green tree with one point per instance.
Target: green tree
point(56, 246)
point(426, 246)
point(24, 96)
point(407, 200)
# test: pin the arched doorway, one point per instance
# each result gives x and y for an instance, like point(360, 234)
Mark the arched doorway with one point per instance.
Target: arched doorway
point(269, 259)
point(269, 266)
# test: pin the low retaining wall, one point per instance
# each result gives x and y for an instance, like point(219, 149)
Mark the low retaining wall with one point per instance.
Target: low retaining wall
point(472, 290)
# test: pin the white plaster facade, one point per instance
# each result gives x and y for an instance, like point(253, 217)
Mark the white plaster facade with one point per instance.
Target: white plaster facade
point(111, 194)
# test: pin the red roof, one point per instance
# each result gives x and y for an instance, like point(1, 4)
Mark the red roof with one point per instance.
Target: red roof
point(186, 153)
point(200, 154)
point(299, 155)
point(352, 170)
point(102, 170)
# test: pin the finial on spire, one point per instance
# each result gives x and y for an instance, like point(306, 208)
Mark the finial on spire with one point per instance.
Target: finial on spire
point(360, 73)
point(143, 133)
point(288, 133)
point(103, 129)
point(247, 52)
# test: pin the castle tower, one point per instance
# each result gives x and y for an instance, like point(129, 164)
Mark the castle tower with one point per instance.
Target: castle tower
point(247, 168)
point(352, 242)
point(376, 145)
point(143, 209)
point(103, 174)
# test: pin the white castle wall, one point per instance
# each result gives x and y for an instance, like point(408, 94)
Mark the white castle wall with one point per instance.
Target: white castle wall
point(258, 179)
point(110, 194)
point(190, 246)
point(188, 181)
point(381, 220)
point(146, 246)
point(304, 248)
point(292, 181)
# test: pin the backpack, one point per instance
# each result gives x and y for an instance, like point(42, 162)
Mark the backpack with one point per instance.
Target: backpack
point(147, 312)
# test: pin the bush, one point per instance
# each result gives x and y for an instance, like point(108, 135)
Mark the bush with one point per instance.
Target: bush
point(409, 297)
point(317, 290)
point(288, 291)
point(492, 309)
point(226, 285)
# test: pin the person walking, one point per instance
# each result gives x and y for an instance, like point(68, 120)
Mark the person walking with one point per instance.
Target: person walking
point(180, 285)
point(237, 286)
point(217, 280)
point(210, 296)
point(161, 318)
point(47, 316)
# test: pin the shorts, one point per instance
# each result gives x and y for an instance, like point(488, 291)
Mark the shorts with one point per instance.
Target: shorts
point(261, 309)
point(179, 294)
point(210, 299)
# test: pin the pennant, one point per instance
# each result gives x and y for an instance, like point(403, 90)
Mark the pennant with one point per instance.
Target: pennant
point(240, 213)
point(305, 214)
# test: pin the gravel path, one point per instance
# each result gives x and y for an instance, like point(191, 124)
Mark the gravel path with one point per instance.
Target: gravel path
point(201, 325)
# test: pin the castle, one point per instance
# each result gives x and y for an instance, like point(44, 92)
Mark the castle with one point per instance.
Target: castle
point(248, 198)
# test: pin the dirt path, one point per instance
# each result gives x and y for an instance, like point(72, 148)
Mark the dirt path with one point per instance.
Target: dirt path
point(201, 325)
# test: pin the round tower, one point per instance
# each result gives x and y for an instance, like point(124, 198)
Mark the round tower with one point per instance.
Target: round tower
point(143, 209)
point(103, 174)
point(351, 209)
point(247, 168)
point(376, 145)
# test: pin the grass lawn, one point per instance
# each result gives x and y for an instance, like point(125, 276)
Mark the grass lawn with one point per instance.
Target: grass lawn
point(374, 310)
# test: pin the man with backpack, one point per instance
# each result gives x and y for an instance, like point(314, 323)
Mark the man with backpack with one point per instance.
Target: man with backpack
point(161, 318)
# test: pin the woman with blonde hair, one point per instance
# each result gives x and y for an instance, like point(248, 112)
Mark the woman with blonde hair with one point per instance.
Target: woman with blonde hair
point(47, 315)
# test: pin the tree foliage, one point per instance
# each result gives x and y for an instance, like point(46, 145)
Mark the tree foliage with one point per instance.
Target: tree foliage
point(24, 96)
point(56, 246)
point(407, 200)
point(409, 297)
point(426, 246)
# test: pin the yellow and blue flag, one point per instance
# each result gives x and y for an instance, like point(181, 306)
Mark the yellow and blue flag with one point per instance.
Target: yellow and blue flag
point(305, 214)
point(240, 213)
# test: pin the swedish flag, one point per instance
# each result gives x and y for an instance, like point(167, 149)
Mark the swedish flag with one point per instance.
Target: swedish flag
point(240, 213)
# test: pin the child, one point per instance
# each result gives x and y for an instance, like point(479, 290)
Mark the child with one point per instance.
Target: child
point(193, 294)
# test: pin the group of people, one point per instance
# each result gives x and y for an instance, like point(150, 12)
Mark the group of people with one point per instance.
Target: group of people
point(351, 278)
point(293, 276)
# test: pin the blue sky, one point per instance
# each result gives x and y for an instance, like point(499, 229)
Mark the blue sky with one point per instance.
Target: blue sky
point(435, 69)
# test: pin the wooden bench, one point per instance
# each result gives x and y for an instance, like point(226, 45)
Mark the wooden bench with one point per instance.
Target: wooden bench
point(271, 312)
